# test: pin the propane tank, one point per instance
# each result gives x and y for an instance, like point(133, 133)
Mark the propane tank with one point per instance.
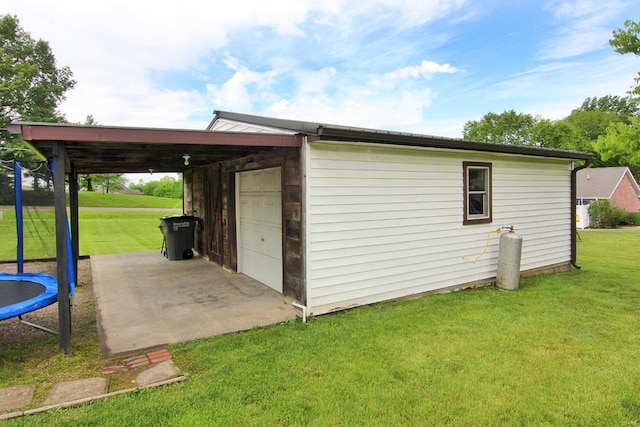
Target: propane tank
point(509, 255)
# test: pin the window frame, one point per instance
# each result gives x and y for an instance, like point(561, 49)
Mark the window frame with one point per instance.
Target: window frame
point(468, 218)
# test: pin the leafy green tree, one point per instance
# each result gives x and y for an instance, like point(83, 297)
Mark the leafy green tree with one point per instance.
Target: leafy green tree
point(590, 124)
point(31, 85)
point(593, 119)
point(85, 180)
point(169, 187)
point(31, 88)
point(165, 187)
point(623, 107)
point(621, 143)
point(109, 181)
point(508, 127)
point(625, 41)
point(559, 134)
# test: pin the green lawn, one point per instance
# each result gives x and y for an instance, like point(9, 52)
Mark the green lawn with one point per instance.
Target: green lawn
point(101, 232)
point(109, 200)
point(562, 350)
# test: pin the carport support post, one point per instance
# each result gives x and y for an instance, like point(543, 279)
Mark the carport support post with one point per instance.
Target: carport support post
point(64, 304)
point(73, 205)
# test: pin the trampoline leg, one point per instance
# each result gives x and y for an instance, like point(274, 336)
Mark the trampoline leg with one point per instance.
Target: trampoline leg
point(33, 325)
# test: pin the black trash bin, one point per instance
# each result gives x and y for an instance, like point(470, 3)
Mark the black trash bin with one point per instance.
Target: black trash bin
point(178, 236)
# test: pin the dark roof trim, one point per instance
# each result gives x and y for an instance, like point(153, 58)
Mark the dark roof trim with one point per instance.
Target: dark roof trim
point(338, 133)
point(111, 134)
point(289, 125)
point(353, 134)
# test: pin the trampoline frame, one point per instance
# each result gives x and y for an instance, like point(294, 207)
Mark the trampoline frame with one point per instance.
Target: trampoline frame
point(47, 297)
point(50, 293)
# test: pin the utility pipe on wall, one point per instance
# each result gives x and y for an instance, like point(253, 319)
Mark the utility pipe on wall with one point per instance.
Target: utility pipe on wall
point(304, 310)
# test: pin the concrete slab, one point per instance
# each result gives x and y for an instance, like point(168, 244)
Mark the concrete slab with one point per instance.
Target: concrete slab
point(77, 389)
point(16, 397)
point(144, 301)
point(160, 372)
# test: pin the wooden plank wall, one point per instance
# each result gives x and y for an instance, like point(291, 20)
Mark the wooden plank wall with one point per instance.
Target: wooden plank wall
point(289, 161)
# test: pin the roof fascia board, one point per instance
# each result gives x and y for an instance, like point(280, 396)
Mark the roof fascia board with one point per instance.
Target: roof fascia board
point(634, 183)
point(617, 184)
point(393, 138)
point(290, 125)
point(75, 133)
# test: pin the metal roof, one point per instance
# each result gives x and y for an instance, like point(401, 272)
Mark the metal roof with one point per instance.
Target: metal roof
point(105, 149)
point(355, 134)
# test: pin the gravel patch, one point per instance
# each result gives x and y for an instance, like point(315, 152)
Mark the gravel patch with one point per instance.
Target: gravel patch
point(83, 315)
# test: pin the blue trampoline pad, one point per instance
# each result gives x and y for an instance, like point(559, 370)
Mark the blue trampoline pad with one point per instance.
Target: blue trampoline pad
point(26, 292)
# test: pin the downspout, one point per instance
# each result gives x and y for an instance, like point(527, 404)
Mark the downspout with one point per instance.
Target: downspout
point(574, 226)
point(304, 172)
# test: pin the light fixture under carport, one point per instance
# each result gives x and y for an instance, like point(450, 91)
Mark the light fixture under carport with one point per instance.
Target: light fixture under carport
point(186, 158)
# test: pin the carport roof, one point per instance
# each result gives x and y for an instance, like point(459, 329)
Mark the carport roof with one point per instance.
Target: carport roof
point(107, 149)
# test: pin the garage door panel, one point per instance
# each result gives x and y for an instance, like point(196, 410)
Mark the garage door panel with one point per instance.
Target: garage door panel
point(260, 226)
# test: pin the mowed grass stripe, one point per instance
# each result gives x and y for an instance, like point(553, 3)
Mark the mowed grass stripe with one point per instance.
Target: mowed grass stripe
point(101, 232)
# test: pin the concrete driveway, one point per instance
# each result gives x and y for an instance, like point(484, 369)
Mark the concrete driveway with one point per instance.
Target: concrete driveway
point(144, 300)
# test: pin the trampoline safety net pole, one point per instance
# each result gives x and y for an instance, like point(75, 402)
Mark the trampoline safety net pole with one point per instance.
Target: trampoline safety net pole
point(17, 183)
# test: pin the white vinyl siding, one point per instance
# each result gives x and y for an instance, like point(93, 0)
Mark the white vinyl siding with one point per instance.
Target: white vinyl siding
point(385, 222)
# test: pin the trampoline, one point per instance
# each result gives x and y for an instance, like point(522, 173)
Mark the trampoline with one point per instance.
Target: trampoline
point(23, 293)
point(26, 292)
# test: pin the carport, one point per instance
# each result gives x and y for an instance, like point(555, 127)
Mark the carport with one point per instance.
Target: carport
point(77, 149)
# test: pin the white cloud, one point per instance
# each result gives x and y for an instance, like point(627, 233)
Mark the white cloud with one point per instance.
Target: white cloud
point(582, 26)
point(425, 70)
point(403, 13)
point(356, 106)
point(167, 64)
point(114, 48)
point(241, 90)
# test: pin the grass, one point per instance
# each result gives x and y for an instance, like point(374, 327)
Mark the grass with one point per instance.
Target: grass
point(109, 200)
point(104, 200)
point(562, 350)
point(101, 231)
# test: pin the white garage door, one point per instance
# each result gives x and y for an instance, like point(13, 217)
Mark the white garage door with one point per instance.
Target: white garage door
point(260, 226)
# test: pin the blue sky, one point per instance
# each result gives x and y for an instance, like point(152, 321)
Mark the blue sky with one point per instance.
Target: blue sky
point(416, 66)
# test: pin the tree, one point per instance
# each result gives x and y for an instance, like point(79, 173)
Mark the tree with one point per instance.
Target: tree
point(593, 119)
point(624, 108)
point(621, 143)
point(31, 85)
point(109, 181)
point(590, 124)
point(31, 88)
point(625, 41)
point(85, 180)
point(165, 187)
point(559, 134)
point(508, 127)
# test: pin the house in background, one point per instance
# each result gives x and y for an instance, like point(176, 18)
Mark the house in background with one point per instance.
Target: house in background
point(616, 184)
